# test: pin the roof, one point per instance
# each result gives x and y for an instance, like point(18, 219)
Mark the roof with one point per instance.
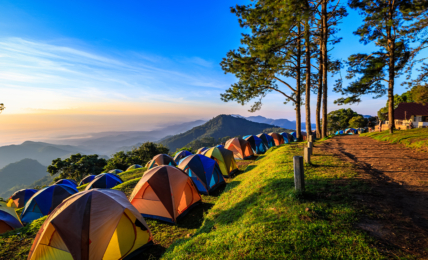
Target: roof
point(406, 110)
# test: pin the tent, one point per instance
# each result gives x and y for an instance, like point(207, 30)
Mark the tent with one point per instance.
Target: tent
point(241, 148)
point(351, 131)
point(256, 144)
point(19, 198)
point(45, 201)
point(165, 193)
point(69, 182)
point(104, 181)
point(181, 155)
point(161, 159)
point(220, 146)
point(267, 140)
point(115, 171)
point(8, 218)
point(277, 138)
point(294, 136)
point(201, 150)
point(204, 171)
point(224, 158)
point(87, 179)
point(95, 224)
point(287, 137)
point(134, 166)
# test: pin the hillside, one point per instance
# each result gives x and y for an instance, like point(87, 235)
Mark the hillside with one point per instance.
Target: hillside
point(23, 172)
point(44, 153)
point(413, 138)
point(218, 127)
point(284, 123)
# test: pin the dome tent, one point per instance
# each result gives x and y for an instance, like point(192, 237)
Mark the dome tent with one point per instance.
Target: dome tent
point(95, 224)
point(20, 197)
point(161, 159)
point(165, 193)
point(204, 171)
point(277, 138)
point(115, 171)
point(104, 181)
point(267, 140)
point(201, 150)
point(180, 155)
point(45, 201)
point(241, 148)
point(8, 218)
point(224, 158)
point(87, 179)
point(134, 166)
point(69, 182)
point(287, 137)
point(256, 144)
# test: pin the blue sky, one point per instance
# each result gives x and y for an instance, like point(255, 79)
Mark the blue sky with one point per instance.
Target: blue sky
point(151, 60)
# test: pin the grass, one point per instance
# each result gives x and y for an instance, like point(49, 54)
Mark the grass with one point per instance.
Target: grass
point(413, 138)
point(260, 216)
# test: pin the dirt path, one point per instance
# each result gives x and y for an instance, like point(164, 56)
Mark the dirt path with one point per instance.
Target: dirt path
point(398, 179)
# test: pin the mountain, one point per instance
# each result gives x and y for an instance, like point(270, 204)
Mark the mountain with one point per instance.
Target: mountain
point(284, 123)
point(112, 142)
point(23, 172)
point(44, 153)
point(218, 127)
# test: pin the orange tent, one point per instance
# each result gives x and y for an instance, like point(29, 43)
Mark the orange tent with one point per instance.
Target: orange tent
point(277, 138)
point(165, 193)
point(241, 149)
point(93, 224)
point(161, 159)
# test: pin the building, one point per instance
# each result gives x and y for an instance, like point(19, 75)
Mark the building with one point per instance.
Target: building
point(409, 113)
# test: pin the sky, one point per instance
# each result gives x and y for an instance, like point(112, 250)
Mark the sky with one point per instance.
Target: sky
point(72, 67)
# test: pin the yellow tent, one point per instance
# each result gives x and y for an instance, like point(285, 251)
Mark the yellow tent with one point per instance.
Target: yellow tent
point(93, 224)
point(224, 158)
point(9, 220)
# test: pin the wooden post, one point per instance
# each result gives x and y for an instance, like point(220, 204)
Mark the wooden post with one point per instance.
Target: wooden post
point(307, 154)
point(311, 147)
point(310, 138)
point(299, 173)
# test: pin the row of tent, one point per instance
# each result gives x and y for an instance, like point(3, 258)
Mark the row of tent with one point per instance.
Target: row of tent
point(107, 224)
point(351, 131)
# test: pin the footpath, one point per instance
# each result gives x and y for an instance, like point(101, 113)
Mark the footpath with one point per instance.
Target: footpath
point(398, 179)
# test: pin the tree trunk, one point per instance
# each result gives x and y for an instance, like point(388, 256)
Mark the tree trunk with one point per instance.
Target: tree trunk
point(298, 90)
point(324, 68)
point(391, 67)
point(308, 75)
point(320, 87)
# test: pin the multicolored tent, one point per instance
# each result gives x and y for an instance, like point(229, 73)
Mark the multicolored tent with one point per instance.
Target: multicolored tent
point(115, 171)
point(165, 193)
point(133, 167)
point(287, 137)
point(69, 182)
point(277, 138)
point(45, 201)
point(104, 181)
point(180, 155)
point(241, 148)
point(224, 158)
point(161, 159)
point(201, 150)
point(19, 198)
point(204, 171)
point(9, 220)
point(351, 131)
point(267, 140)
point(95, 224)
point(87, 179)
point(256, 144)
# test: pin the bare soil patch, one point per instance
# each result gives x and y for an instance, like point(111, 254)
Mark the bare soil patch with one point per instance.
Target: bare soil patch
point(398, 201)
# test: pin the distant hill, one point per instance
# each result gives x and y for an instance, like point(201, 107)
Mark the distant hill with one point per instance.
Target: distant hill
point(24, 172)
point(44, 153)
point(218, 127)
point(284, 123)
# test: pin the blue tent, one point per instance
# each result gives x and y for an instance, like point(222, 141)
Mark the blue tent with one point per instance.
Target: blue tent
point(351, 131)
point(115, 171)
point(267, 140)
point(341, 132)
point(204, 171)
point(256, 144)
point(104, 181)
point(180, 155)
point(87, 179)
point(294, 135)
point(220, 146)
point(287, 137)
point(45, 201)
point(68, 182)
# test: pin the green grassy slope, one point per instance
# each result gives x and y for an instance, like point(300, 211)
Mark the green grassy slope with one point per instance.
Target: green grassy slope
point(260, 216)
point(413, 138)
